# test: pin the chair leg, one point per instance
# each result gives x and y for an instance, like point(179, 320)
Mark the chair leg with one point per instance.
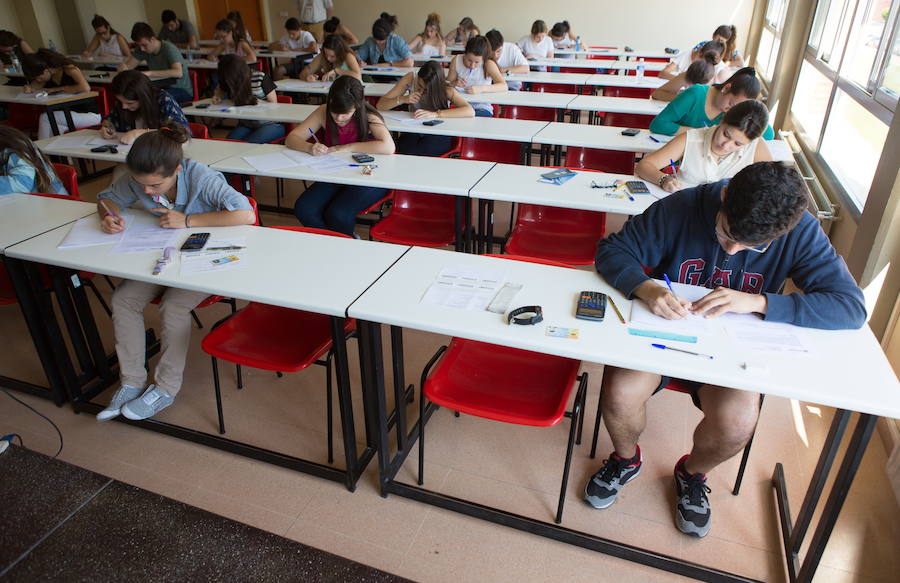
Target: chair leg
point(109, 282)
point(582, 380)
point(577, 412)
point(421, 479)
point(597, 424)
point(746, 456)
point(328, 406)
point(240, 377)
point(90, 285)
point(196, 319)
point(215, 368)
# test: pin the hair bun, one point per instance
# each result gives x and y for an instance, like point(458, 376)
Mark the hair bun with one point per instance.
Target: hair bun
point(174, 131)
point(435, 17)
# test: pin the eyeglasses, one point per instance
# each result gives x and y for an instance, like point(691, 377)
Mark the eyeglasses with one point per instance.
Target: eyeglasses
point(723, 236)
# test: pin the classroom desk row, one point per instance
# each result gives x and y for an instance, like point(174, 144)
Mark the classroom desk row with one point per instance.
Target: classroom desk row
point(60, 102)
point(597, 51)
point(380, 284)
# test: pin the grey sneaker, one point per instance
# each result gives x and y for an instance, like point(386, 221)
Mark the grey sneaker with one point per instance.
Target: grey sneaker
point(147, 405)
point(603, 487)
point(123, 395)
point(693, 516)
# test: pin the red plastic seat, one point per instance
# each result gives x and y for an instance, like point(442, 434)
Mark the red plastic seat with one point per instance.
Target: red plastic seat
point(612, 161)
point(418, 218)
point(195, 82)
point(636, 92)
point(489, 150)
point(560, 234)
point(555, 88)
point(504, 384)
point(288, 127)
point(69, 178)
point(627, 120)
point(276, 339)
point(198, 130)
point(528, 112)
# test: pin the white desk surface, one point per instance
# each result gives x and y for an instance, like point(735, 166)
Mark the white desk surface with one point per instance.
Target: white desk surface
point(322, 87)
point(205, 151)
point(215, 43)
point(488, 128)
point(596, 64)
point(99, 77)
point(98, 60)
point(296, 270)
point(202, 64)
point(23, 216)
point(617, 104)
point(845, 369)
point(262, 111)
point(10, 94)
point(417, 173)
point(387, 71)
point(516, 183)
point(549, 77)
point(529, 98)
point(607, 80)
point(593, 136)
point(637, 53)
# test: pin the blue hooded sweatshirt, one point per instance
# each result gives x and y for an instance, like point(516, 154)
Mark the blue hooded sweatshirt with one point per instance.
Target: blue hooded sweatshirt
point(677, 236)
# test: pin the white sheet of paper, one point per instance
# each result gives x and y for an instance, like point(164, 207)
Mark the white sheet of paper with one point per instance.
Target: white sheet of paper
point(71, 141)
point(86, 232)
point(326, 163)
point(690, 326)
point(192, 263)
point(403, 117)
point(143, 238)
point(768, 337)
point(464, 288)
point(274, 161)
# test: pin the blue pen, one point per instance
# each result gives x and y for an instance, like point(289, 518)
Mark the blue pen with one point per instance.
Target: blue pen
point(314, 135)
point(672, 166)
point(668, 283)
point(664, 347)
point(654, 139)
point(363, 165)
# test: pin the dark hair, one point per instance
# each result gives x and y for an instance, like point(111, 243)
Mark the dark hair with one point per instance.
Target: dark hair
point(433, 19)
point(384, 26)
point(332, 24)
point(135, 86)
point(240, 29)
point(712, 51)
point(234, 75)
point(141, 30)
point(35, 64)
point(336, 43)
point(158, 152)
point(538, 27)
point(700, 72)
point(729, 33)
point(479, 46)
point(467, 23)
point(9, 39)
point(435, 95)
point(168, 16)
point(19, 144)
point(764, 201)
point(494, 38)
point(292, 24)
point(743, 82)
point(560, 28)
point(346, 93)
point(750, 116)
point(99, 21)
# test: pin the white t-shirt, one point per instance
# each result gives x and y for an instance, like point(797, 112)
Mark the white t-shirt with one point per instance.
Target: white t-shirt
point(543, 49)
point(683, 61)
point(312, 11)
point(511, 56)
point(699, 166)
point(301, 43)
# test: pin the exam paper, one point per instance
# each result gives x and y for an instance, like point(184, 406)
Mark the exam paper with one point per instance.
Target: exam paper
point(267, 162)
point(71, 141)
point(326, 163)
point(768, 337)
point(86, 232)
point(780, 151)
point(98, 141)
point(143, 238)
point(464, 288)
point(403, 117)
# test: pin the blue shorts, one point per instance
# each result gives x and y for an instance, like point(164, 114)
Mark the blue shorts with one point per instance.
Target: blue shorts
point(691, 386)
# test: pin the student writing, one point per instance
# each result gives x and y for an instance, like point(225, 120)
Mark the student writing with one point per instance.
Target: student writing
point(48, 69)
point(230, 43)
point(334, 26)
point(508, 57)
point(475, 72)
point(164, 61)
point(384, 48)
point(140, 107)
point(178, 31)
point(700, 72)
point(429, 42)
point(106, 42)
point(335, 60)
point(247, 87)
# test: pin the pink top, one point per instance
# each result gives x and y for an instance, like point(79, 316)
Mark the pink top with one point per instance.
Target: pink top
point(346, 135)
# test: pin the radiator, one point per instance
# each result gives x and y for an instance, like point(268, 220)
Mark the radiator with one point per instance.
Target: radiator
point(820, 205)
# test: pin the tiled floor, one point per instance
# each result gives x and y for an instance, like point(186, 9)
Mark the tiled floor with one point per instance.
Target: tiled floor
point(514, 468)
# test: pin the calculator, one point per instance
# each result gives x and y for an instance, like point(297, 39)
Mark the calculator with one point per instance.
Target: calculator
point(591, 306)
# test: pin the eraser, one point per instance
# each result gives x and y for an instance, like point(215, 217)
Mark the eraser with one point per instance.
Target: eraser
point(754, 367)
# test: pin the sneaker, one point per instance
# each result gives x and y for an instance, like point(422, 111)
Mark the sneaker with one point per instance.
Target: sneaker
point(123, 395)
point(603, 487)
point(693, 516)
point(147, 405)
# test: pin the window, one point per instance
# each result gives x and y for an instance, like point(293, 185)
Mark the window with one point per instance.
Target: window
point(770, 37)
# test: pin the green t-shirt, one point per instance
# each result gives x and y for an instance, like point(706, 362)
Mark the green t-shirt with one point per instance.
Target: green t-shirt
point(689, 109)
point(167, 55)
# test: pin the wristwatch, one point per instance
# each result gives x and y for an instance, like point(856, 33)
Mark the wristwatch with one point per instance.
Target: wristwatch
point(525, 316)
point(663, 178)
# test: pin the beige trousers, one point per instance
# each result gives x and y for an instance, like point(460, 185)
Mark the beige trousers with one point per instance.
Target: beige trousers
point(128, 304)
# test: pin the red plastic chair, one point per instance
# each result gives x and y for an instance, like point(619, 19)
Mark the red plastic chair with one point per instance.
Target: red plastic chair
point(489, 150)
point(195, 83)
point(555, 88)
point(418, 218)
point(636, 92)
point(276, 339)
point(198, 130)
point(69, 178)
point(528, 112)
point(505, 384)
point(627, 120)
point(603, 160)
point(288, 127)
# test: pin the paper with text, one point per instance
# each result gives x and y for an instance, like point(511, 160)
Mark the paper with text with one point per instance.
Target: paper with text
point(143, 238)
point(86, 232)
point(464, 288)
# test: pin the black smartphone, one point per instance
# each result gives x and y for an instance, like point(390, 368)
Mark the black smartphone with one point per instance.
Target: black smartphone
point(202, 105)
point(363, 158)
point(631, 132)
point(57, 92)
point(432, 122)
point(195, 242)
point(106, 148)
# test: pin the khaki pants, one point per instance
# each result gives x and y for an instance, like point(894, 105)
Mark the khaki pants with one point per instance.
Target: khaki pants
point(316, 28)
point(128, 304)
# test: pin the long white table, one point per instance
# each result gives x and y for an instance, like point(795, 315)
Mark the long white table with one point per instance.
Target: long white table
point(61, 102)
point(617, 104)
point(23, 216)
point(262, 111)
point(597, 64)
point(594, 136)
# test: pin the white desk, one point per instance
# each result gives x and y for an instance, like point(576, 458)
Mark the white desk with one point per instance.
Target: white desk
point(528, 98)
point(488, 128)
point(595, 136)
point(13, 94)
point(387, 71)
point(607, 80)
point(98, 60)
point(636, 53)
point(546, 77)
point(262, 111)
point(215, 43)
point(617, 104)
point(23, 216)
point(322, 87)
point(596, 64)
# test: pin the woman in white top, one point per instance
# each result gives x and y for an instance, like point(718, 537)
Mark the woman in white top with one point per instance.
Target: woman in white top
point(106, 42)
point(475, 72)
point(537, 45)
point(562, 36)
point(509, 58)
point(713, 153)
point(430, 42)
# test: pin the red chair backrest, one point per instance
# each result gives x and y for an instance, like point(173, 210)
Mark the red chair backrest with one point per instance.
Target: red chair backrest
point(288, 127)
point(105, 100)
point(528, 112)
point(530, 260)
point(69, 179)
point(312, 230)
point(424, 205)
point(602, 57)
point(195, 82)
point(198, 130)
point(490, 150)
point(561, 220)
point(638, 92)
point(627, 120)
point(255, 208)
point(554, 88)
point(602, 160)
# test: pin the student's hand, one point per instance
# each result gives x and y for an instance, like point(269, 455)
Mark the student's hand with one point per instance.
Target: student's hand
point(672, 185)
point(460, 82)
point(661, 301)
point(723, 300)
point(215, 99)
point(330, 75)
point(319, 149)
point(336, 149)
point(414, 97)
point(107, 131)
point(130, 137)
point(474, 90)
point(169, 219)
point(121, 67)
point(112, 225)
point(310, 79)
point(28, 89)
point(424, 114)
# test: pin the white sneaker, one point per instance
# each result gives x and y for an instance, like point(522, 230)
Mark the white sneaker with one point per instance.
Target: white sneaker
point(123, 395)
point(147, 405)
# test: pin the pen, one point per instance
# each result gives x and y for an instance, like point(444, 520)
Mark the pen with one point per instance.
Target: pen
point(363, 165)
point(616, 308)
point(672, 166)
point(109, 212)
point(314, 135)
point(654, 139)
point(228, 248)
point(668, 283)
point(163, 261)
point(664, 347)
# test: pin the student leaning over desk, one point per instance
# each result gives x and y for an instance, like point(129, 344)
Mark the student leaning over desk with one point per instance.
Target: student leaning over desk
point(185, 195)
point(245, 86)
point(508, 57)
point(385, 48)
point(23, 167)
point(48, 69)
point(475, 72)
point(743, 239)
point(347, 124)
point(164, 61)
point(140, 107)
point(336, 59)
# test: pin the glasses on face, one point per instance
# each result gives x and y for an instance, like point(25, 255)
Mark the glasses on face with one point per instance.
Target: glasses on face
point(726, 238)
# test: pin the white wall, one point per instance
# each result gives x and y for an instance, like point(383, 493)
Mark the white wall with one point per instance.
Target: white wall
point(8, 16)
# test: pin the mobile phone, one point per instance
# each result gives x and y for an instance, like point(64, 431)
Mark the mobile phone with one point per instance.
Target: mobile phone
point(362, 158)
point(195, 242)
point(631, 132)
point(557, 173)
point(106, 148)
point(202, 105)
point(637, 187)
point(432, 122)
point(57, 92)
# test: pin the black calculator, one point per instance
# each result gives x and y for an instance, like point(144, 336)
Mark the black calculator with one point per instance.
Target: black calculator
point(591, 306)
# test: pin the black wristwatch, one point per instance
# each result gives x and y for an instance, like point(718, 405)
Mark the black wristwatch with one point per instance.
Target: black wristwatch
point(525, 316)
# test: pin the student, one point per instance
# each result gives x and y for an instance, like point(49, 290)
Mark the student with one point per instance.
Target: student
point(295, 39)
point(178, 31)
point(700, 72)
point(333, 26)
point(11, 44)
point(240, 29)
point(428, 96)
point(313, 14)
point(701, 106)
point(562, 36)
point(707, 51)
point(140, 108)
point(713, 153)
point(347, 124)
point(462, 33)
point(23, 167)
point(335, 60)
point(384, 48)
point(429, 42)
point(48, 69)
point(231, 43)
point(743, 239)
point(508, 57)
point(475, 72)
point(247, 87)
point(163, 60)
point(727, 35)
point(537, 45)
point(184, 194)
point(106, 42)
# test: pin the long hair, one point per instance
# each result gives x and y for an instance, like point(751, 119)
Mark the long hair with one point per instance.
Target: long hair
point(135, 86)
point(158, 152)
point(346, 93)
point(99, 21)
point(480, 47)
point(240, 29)
point(15, 142)
point(384, 26)
point(434, 97)
point(336, 43)
point(743, 82)
point(729, 33)
point(234, 75)
point(538, 27)
point(434, 19)
point(35, 64)
point(750, 116)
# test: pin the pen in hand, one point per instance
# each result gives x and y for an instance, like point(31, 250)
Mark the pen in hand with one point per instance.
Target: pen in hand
point(117, 218)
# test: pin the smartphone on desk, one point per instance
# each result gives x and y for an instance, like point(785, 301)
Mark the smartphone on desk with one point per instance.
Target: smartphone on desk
point(202, 106)
point(631, 132)
point(362, 158)
point(432, 122)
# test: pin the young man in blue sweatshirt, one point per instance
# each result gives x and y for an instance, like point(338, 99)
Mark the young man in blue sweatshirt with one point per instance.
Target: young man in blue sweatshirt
point(742, 239)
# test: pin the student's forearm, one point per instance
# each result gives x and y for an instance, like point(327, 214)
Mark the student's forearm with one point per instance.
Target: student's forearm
point(495, 88)
point(464, 111)
point(296, 141)
point(370, 147)
point(517, 70)
point(221, 219)
point(165, 73)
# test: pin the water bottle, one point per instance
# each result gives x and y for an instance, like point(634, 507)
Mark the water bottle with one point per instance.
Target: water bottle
point(50, 45)
point(640, 68)
point(578, 43)
point(16, 64)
